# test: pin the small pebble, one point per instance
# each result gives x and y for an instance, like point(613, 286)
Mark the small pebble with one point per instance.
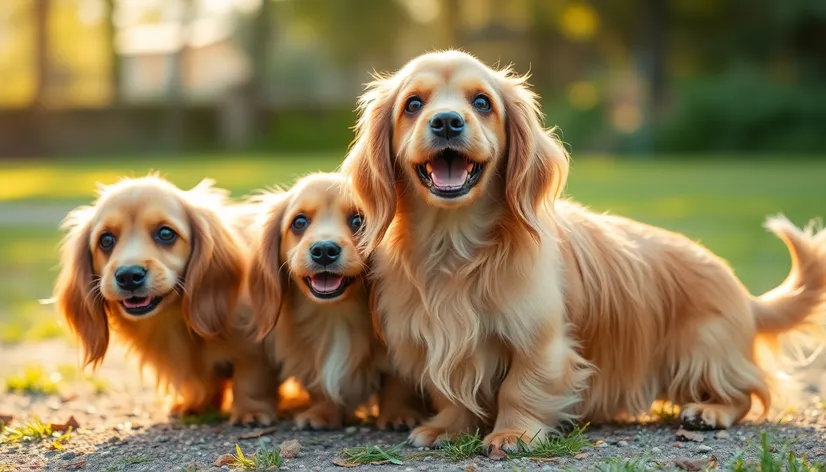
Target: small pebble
point(722, 434)
point(364, 430)
point(704, 448)
point(266, 439)
point(68, 456)
point(161, 439)
point(290, 449)
point(622, 443)
point(224, 460)
point(350, 429)
point(656, 450)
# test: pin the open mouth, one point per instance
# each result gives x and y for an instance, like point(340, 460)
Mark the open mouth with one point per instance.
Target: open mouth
point(449, 174)
point(137, 306)
point(327, 285)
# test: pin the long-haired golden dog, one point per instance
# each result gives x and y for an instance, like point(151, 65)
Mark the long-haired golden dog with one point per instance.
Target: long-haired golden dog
point(307, 283)
point(164, 269)
point(519, 311)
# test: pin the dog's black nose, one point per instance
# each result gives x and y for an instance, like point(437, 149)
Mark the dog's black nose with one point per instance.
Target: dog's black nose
point(130, 277)
point(325, 252)
point(447, 124)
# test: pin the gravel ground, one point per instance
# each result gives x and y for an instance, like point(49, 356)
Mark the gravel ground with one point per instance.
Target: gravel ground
point(125, 428)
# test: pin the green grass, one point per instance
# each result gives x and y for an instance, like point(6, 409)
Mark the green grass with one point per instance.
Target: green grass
point(210, 416)
point(373, 454)
point(556, 446)
point(771, 458)
point(262, 459)
point(32, 430)
point(33, 380)
point(463, 447)
point(720, 202)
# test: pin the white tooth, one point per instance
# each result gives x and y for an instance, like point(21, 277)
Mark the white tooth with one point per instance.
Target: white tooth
point(470, 167)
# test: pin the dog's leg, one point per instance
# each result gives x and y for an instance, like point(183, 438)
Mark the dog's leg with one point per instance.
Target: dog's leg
point(400, 406)
point(322, 414)
point(254, 391)
point(537, 395)
point(715, 380)
point(197, 395)
point(707, 416)
point(451, 421)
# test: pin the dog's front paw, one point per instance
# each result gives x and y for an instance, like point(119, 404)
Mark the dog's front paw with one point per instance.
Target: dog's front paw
point(399, 420)
point(320, 416)
point(252, 417)
point(510, 441)
point(427, 436)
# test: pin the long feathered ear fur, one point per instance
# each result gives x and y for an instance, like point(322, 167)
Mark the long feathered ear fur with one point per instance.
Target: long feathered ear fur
point(370, 163)
point(77, 292)
point(267, 277)
point(537, 166)
point(215, 273)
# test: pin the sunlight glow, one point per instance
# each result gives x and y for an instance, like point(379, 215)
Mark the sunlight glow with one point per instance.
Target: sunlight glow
point(583, 95)
point(579, 22)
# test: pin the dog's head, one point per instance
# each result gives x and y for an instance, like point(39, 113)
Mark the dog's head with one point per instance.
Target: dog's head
point(307, 241)
point(146, 246)
point(448, 126)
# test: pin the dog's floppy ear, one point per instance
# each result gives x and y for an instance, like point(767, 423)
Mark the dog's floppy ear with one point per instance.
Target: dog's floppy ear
point(215, 273)
point(77, 292)
point(537, 166)
point(370, 163)
point(268, 277)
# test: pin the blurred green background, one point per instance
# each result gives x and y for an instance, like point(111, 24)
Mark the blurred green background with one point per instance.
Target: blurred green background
point(703, 116)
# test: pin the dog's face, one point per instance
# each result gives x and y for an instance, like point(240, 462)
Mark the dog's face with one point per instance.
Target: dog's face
point(318, 239)
point(144, 247)
point(140, 242)
point(307, 241)
point(449, 128)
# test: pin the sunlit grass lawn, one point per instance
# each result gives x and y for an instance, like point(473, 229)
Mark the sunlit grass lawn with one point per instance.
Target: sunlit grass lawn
point(720, 202)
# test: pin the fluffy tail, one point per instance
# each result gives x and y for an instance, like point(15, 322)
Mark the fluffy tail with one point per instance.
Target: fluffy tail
point(801, 298)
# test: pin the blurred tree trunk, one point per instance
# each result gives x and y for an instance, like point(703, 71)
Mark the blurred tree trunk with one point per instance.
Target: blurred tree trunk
point(651, 56)
point(42, 60)
point(174, 123)
point(243, 108)
point(453, 33)
point(111, 33)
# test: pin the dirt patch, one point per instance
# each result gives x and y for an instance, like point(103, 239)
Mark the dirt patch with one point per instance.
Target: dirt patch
point(125, 428)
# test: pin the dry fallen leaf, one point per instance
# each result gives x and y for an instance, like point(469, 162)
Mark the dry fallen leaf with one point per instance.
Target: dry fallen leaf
point(258, 433)
point(76, 465)
point(290, 449)
point(71, 423)
point(695, 464)
point(344, 463)
point(225, 459)
point(6, 419)
point(686, 435)
point(581, 456)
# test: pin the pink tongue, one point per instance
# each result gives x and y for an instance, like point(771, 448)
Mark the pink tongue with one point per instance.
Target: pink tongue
point(136, 302)
point(324, 283)
point(448, 176)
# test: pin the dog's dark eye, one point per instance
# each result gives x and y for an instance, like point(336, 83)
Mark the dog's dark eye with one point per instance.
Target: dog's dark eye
point(166, 235)
point(106, 241)
point(355, 222)
point(413, 104)
point(482, 103)
point(300, 223)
